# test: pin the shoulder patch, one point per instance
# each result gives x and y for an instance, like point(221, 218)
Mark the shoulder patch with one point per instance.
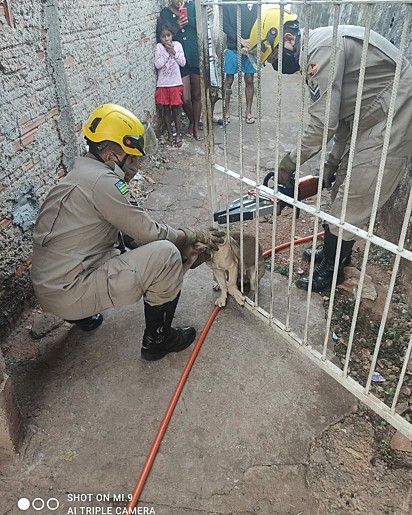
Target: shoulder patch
point(122, 187)
point(312, 69)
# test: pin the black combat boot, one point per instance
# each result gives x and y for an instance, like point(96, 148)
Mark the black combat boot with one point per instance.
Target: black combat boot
point(323, 273)
point(307, 253)
point(89, 323)
point(159, 337)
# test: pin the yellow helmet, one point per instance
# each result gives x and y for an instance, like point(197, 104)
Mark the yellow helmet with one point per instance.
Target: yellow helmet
point(270, 29)
point(111, 122)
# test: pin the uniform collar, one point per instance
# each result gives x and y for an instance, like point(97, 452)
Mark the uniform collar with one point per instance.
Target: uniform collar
point(110, 164)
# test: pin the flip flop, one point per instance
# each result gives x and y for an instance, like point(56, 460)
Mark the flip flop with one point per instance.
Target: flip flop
point(250, 119)
point(178, 143)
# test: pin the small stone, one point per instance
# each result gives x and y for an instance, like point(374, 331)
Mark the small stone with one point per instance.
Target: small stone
point(44, 323)
point(400, 442)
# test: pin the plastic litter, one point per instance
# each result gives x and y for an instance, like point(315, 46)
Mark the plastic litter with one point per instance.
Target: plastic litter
point(377, 378)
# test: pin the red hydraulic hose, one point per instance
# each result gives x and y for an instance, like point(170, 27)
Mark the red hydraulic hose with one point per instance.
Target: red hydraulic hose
point(287, 244)
point(172, 404)
point(168, 415)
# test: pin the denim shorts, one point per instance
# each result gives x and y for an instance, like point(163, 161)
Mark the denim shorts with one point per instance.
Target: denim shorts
point(231, 66)
point(188, 70)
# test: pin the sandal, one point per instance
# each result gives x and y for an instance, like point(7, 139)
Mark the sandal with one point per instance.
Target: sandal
point(250, 119)
point(178, 143)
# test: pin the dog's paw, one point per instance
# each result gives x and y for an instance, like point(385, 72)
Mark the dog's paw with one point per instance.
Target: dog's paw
point(216, 287)
point(221, 301)
point(239, 298)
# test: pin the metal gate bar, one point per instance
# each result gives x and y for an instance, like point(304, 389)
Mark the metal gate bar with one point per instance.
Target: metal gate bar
point(342, 375)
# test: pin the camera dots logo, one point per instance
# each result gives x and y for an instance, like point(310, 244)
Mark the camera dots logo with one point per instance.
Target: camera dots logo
point(38, 504)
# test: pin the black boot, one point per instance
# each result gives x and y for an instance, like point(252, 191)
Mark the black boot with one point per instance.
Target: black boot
point(307, 253)
point(89, 323)
point(323, 273)
point(159, 337)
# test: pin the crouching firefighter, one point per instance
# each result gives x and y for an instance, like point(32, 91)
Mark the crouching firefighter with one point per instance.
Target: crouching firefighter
point(78, 269)
point(376, 96)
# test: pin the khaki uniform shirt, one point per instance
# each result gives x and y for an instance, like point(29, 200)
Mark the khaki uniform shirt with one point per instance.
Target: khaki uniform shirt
point(78, 226)
point(379, 75)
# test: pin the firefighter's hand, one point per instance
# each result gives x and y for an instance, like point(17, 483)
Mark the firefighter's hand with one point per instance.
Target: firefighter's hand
point(211, 237)
point(286, 169)
point(329, 174)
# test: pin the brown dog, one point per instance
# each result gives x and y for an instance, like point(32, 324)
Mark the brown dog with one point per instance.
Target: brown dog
point(225, 264)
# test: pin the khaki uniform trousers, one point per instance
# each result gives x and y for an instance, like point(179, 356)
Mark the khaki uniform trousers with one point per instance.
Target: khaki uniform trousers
point(153, 271)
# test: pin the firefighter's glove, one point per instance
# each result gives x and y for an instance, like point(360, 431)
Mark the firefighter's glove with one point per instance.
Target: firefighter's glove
point(211, 237)
point(329, 173)
point(286, 170)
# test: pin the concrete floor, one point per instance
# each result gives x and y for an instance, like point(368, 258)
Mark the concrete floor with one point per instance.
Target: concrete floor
point(239, 438)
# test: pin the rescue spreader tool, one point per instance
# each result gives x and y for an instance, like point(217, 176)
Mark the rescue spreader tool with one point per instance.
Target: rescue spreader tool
point(308, 186)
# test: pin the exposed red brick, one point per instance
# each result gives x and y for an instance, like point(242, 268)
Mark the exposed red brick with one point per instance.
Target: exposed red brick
point(23, 23)
point(40, 56)
point(4, 223)
point(34, 124)
point(14, 428)
point(33, 99)
point(7, 12)
point(68, 61)
point(54, 111)
point(78, 127)
point(28, 137)
point(2, 13)
point(23, 267)
point(26, 118)
point(60, 173)
point(2, 187)
point(17, 145)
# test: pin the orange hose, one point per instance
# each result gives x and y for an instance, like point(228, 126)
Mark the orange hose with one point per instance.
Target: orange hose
point(286, 245)
point(168, 415)
point(172, 404)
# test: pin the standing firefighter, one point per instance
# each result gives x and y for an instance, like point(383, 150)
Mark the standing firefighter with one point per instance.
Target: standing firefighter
point(77, 268)
point(377, 90)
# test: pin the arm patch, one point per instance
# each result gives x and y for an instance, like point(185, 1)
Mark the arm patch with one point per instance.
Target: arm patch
point(122, 187)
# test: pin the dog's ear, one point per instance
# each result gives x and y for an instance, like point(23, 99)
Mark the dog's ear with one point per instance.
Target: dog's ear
point(199, 247)
point(201, 258)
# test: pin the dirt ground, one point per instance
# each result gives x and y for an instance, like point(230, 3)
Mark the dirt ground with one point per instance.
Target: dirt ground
point(351, 468)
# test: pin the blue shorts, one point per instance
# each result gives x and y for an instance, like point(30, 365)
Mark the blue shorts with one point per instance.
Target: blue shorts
point(188, 70)
point(231, 66)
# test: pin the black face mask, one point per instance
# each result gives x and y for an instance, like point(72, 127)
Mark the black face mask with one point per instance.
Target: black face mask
point(289, 63)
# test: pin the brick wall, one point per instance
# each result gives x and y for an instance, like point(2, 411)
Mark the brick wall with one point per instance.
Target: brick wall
point(59, 60)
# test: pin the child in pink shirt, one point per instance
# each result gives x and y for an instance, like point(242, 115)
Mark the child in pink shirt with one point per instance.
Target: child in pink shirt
point(169, 57)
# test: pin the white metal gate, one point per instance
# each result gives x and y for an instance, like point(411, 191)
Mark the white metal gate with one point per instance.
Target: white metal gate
point(374, 365)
